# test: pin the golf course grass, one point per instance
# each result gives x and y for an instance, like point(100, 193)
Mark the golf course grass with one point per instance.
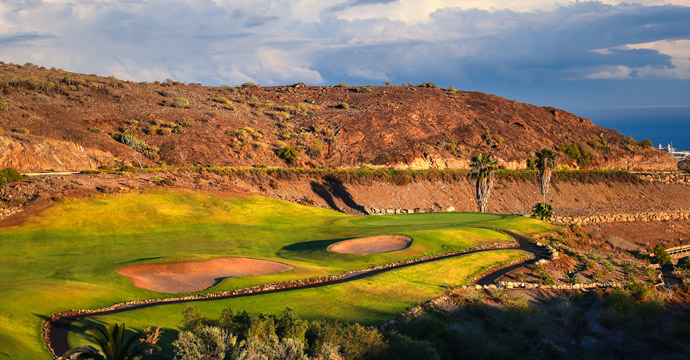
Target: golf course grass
point(369, 301)
point(67, 256)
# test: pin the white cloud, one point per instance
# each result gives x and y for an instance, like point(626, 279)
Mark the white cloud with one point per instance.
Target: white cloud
point(677, 50)
point(417, 11)
point(611, 72)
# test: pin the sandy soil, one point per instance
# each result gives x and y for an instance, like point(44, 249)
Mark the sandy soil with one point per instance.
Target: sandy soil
point(190, 276)
point(643, 235)
point(371, 245)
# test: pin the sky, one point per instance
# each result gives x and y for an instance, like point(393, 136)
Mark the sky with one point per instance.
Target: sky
point(624, 65)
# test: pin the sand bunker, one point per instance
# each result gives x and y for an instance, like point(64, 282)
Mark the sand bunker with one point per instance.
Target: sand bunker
point(190, 276)
point(371, 245)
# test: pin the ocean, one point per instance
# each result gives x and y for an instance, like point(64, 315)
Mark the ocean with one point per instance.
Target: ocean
point(661, 125)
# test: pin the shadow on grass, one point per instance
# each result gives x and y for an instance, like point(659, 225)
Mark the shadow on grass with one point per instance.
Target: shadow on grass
point(312, 249)
point(141, 259)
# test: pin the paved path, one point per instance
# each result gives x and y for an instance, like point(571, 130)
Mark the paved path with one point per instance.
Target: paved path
point(60, 328)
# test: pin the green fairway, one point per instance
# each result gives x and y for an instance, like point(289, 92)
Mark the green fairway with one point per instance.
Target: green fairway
point(66, 257)
point(369, 301)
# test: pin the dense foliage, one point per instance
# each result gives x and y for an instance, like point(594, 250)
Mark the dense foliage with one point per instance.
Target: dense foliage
point(8, 175)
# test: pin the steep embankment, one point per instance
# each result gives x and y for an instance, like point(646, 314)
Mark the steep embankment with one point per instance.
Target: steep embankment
point(335, 126)
point(572, 193)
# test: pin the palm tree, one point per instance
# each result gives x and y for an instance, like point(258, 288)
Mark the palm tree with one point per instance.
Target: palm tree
point(546, 162)
point(112, 342)
point(483, 172)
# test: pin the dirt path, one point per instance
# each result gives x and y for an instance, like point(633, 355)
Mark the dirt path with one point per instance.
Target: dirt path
point(59, 329)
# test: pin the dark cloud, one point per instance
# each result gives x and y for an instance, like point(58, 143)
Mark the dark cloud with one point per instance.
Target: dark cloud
point(354, 3)
point(528, 55)
point(22, 38)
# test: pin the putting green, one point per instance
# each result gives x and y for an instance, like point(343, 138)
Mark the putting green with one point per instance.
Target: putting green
point(66, 257)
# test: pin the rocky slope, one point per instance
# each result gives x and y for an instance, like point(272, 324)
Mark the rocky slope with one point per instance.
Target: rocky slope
point(335, 126)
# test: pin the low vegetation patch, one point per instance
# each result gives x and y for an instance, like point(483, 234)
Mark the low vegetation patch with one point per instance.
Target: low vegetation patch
point(288, 153)
point(8, 175)
point(177, 102)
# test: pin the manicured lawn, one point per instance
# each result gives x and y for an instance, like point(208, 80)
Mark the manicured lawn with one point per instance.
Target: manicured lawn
point(369, 301)
point(66, 257)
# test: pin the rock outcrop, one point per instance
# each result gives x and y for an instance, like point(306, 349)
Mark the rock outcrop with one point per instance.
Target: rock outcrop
point(28, 153)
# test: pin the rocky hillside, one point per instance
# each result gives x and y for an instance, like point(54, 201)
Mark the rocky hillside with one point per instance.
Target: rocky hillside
point(65, 121)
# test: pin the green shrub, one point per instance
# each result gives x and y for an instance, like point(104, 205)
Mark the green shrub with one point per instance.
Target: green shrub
point(542, 211)
point(576, 152)
point(646, 143)
point(8, 175)
point(362, 89)
point(21, 130)
point(178, 102)
point(4, 105)
point(342, 105)
point(544, 277)
point(451, 90)
point(184, 123)
point(288, 153)
point(94, 130)
point(427, 85)
point(661, 255)
point(222, 100)
point(128, 138)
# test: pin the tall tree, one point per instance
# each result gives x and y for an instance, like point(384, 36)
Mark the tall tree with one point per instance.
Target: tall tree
point(483, 173)
point(546, 162)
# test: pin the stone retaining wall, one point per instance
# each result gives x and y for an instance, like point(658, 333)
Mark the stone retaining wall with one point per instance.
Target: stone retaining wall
point(682, 178)
point(683, 214)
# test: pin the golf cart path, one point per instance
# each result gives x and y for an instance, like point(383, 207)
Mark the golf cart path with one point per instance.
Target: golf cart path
point(56, 331)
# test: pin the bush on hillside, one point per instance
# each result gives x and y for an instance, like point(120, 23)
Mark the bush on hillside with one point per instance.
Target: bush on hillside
point(4, 105)
point(288, 153)
point(21, 130)
point(8, 175)
point(646, 143)
point(427, 85)
point(222, 100)
point(577, 152)
point(661, 255)
point(177, 102)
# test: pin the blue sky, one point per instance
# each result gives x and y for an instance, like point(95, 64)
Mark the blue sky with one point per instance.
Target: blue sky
point(599, 59)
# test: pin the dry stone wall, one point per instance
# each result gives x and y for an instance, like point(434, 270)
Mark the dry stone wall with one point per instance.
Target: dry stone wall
point(682, 178)
point(683, 214)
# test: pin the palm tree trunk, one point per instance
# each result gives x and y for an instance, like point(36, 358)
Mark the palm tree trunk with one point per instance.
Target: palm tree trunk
point(484, 185)
point(545, 182)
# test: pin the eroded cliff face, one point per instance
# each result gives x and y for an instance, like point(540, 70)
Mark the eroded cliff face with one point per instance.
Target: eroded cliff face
point(28, 153)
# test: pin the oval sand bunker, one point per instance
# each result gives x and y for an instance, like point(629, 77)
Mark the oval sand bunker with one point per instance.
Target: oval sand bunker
point(371, 245)
point(190, 276)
